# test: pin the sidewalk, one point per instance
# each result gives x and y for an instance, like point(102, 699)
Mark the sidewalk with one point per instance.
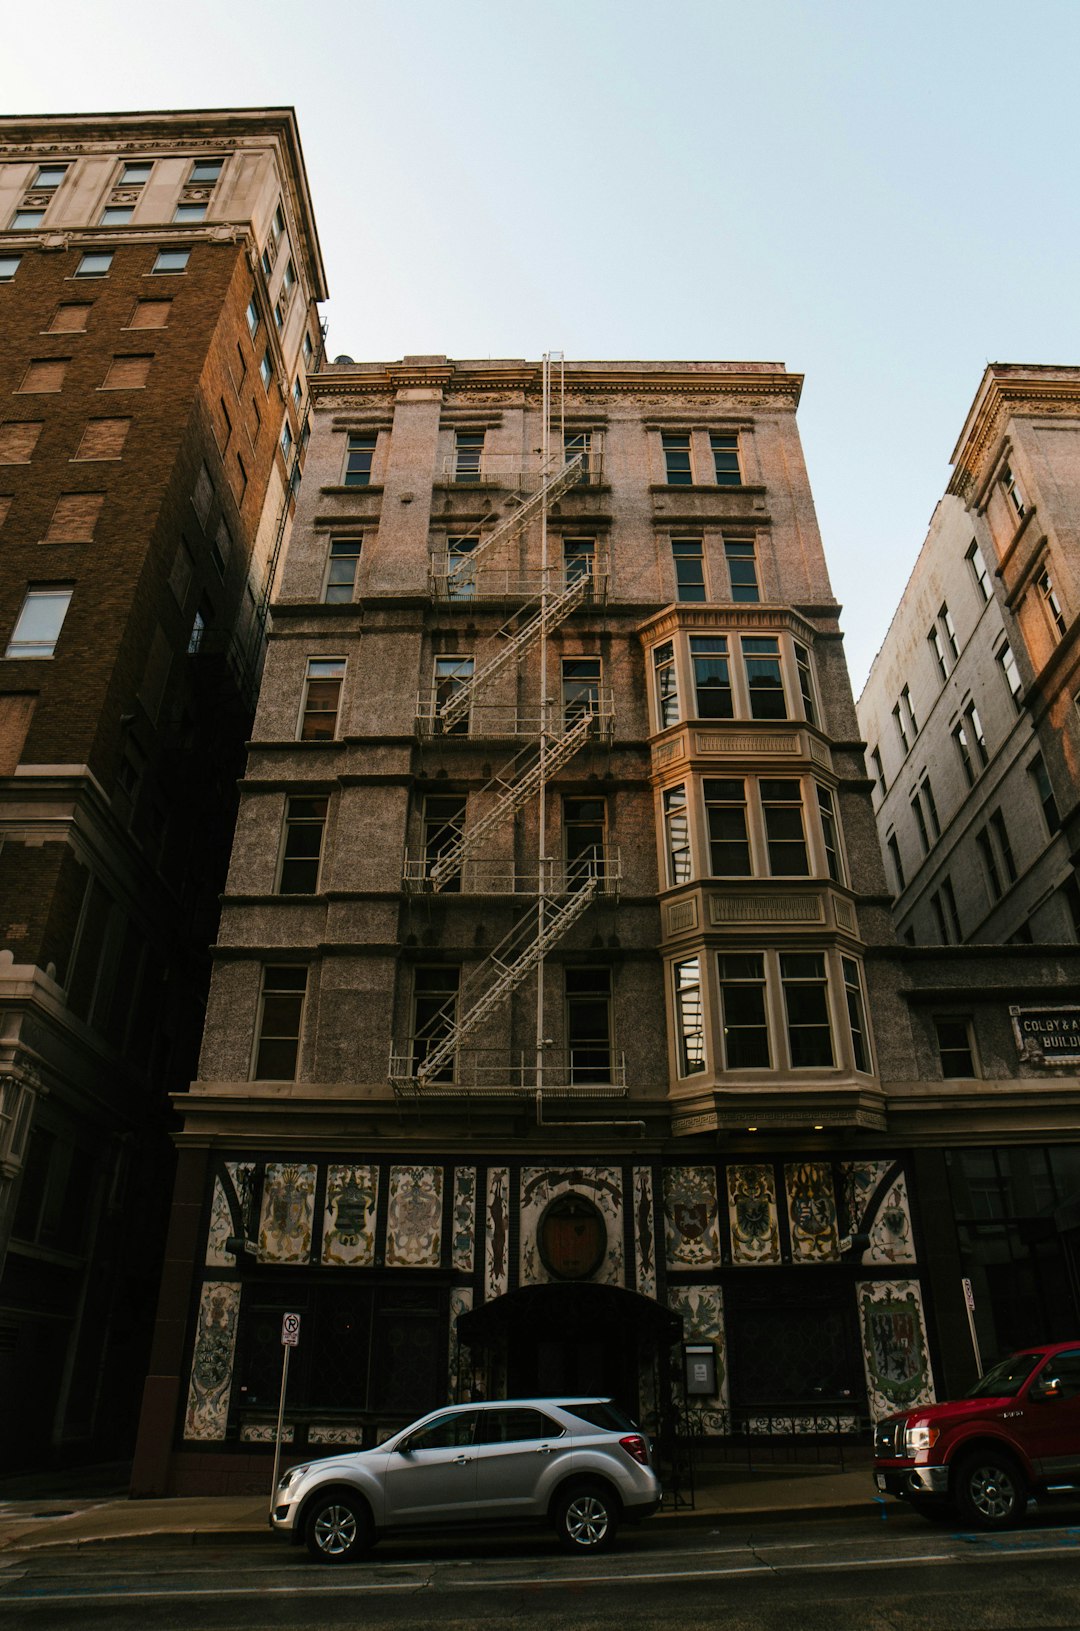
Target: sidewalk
point(724, 1495)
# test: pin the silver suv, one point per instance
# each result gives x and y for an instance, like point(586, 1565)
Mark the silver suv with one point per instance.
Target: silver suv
point(579, 1463)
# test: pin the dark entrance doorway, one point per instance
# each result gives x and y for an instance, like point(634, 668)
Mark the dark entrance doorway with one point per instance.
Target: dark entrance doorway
point(565, 1339)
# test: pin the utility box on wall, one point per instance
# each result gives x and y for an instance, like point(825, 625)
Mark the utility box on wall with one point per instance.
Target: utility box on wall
point(700, 1362)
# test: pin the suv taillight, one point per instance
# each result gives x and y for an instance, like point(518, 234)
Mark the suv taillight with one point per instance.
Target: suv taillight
point(636, 1447)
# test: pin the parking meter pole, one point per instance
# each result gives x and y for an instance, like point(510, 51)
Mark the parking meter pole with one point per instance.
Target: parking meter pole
point(280, 1418)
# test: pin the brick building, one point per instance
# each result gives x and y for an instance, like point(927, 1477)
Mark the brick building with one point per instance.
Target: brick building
point(158, 280)
point(540, 1034)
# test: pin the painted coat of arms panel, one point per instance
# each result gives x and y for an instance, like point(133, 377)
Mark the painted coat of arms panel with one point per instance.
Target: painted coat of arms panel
point(812, 1212)
point(212, 1362)
point(352, 1193)
point(691, 1219)
point(895, 1352)
point(497, 1233)
point(414, 1218)
point(288, 1213)
point(601, 1185)
point(752, 1215)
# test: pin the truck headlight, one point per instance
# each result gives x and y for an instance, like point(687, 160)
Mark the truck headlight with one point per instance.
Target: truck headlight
point(920, 1437)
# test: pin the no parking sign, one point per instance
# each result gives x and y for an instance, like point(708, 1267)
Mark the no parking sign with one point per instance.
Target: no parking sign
point(290, 1330)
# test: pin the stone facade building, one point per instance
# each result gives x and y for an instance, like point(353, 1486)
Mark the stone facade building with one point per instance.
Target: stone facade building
point(556, 1014)
point(158, 274)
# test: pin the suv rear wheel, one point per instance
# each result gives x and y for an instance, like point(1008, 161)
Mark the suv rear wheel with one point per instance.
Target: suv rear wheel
point(991, 1491)
point(337, 1527)
point(586, 1518)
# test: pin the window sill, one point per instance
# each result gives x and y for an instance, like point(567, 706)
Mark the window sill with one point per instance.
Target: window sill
point(703, 487)
point(339, 487)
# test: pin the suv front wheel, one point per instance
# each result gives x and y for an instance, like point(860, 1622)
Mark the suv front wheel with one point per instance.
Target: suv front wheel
point(586, 1518)
point(338, 1527)
point(990, 1489)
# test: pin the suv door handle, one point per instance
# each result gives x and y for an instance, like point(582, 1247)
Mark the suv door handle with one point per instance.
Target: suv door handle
point(544, 1449)
point(462, 1460)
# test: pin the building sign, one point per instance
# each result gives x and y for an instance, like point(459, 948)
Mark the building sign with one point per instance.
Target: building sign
point(1047, 1036)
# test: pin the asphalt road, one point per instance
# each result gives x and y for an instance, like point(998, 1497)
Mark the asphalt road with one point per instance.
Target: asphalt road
point(860, 1574)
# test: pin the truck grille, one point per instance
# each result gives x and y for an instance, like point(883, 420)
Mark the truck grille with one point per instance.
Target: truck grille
point(889, 1440)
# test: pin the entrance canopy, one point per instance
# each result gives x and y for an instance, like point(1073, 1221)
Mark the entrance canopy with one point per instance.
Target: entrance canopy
point(556, 1308)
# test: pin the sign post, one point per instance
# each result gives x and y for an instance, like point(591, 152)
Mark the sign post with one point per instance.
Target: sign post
point(290, 1338)
point(969, 1304)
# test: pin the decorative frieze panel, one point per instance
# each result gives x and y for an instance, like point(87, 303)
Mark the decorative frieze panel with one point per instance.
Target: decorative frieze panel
point(497, 1233)
point(228, 1212)
point(765, 908)
point(644, 1232)
point(746, 742)
point(877, 1203)
point(812, 1212)
point(342, 1437)
point(212, 1362)
point(265, 1432)
point(349, 1215)
point(414, 1218)
point(288, 1208)
point(819, 752)
point(682, 916)
point(691, 1222)
point(463, 1240)
point(600, 1185)
point(895, 1351)
point(752, 1215)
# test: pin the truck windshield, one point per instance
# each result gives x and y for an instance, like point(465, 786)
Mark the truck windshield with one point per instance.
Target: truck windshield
point(1005, 1379)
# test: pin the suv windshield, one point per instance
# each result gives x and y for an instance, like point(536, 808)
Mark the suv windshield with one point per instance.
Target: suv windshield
point(1005, 1379)
point(603, 1414)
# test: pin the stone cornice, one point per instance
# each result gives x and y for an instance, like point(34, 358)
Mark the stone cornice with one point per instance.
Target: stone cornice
point(1001, 396)
point(739, 388)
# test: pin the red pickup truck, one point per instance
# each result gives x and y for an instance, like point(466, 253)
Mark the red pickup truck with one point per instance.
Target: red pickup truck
point(1017, 1433)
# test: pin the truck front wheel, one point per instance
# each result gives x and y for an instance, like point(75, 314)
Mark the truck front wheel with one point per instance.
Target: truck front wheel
point(990, 1489)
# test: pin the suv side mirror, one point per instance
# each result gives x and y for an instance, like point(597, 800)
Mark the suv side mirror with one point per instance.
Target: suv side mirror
point(405, 1447)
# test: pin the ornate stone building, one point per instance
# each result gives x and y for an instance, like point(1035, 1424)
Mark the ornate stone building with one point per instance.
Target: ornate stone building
point(158, 279)
point(556, 1019)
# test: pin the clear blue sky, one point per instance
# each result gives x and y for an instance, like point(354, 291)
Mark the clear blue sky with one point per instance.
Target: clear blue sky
point(882, 197)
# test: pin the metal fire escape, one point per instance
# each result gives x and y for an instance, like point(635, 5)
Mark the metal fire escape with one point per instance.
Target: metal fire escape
point(559, 894)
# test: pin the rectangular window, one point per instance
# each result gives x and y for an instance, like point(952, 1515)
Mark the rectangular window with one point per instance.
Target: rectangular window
point(764, 680)
point(342, 562)
point(359, 452)
point(221, 547)
point(1001, 837)
point(442, 828)
point(898, 865)
point(205, 171)
point(860, 1049)
point(171, 260)
point(49, 177)
point(468, 453)
point(978, 570)
point(127, 374)
point(461, 577)
point(677, 471)
point(927, 795)
point(40, 620)
point(1014, 492)
point(677, 833)
point(976, 738)
point(9, 265)
point(18, 439)
point(934, 640)
point(955, 1049)
point(943, 901)
point(266, 369)
point(297, 393)
point(1040, 776)
point(806, 682)
point(150, 314)
point(322, 698)
point(95, 264)
point(45, 374)
point(689, 568)
point(581, 442)
point(1007, 664)
point(583, 839)
point(26, 220)
point(830, 833)
point(252, 317)
point(288, 279)
point(222, 427)
point(742, 569)
point(277, 225)
point(103, 439)
point(579, 559)
point(301, 849)
point(986, 853)
point(689, 1017)
point(908, 711)
point(286, 440)
point(948, 629)
point(1054, 613)
point(806, 1004)
point(743, 1015)
point(309, 350)
point(189, 214)
point(279, 316)
point(451, 673)
point(435, 992)
point(785, 837)
point(135, 173)
point(241, 480)
point(74, 518)
point(726, 821)
point(588, 1024)
point(195, 638)
point(725, 452)
point(281, 1014)
point(963, 748)
point(900, 728)
point(580, 688)
point(712, 676)
point(116, 215)
point(203, 496)
point(180, 577)
point(878, 771)
point(667, 684)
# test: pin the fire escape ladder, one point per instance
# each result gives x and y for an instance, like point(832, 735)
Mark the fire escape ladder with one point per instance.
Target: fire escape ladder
point(554, 484)
point(502, 972)
point(544, 622)
point(513, 786)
